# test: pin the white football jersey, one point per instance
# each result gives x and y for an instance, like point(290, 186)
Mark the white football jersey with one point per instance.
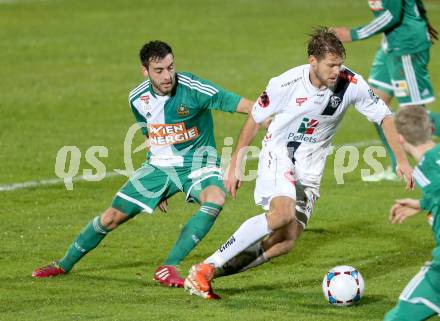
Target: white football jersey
point(305, 118)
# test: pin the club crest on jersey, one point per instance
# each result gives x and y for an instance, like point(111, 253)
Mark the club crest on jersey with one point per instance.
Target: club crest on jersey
point(335, 101)
point(145, 99)
point(182, 111)
point(301, 100)
point(263, 100)
point(375, 5)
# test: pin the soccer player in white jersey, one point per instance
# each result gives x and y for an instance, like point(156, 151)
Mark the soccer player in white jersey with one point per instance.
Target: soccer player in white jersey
point(307, 104)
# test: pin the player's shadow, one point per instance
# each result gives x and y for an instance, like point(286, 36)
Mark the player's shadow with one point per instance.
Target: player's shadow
point(264, 290)
point(317, 231)
point(119, 266)
point(372, 299)
point(137, 275)
point(366, 300)
point(267, 287)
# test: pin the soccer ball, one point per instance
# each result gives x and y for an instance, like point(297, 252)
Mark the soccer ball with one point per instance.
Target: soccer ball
point(343, 285)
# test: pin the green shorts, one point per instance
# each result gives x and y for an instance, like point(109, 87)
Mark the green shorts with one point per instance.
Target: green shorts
point(420, 299)
point(405, 77)
point(150, 184)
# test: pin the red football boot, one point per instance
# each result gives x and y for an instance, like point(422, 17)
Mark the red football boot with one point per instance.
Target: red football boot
point(53, 269)
point(169, 276)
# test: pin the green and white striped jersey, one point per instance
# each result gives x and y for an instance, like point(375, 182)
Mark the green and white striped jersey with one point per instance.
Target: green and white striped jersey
point(403, 23)
point(179, 126)
point(427, 175)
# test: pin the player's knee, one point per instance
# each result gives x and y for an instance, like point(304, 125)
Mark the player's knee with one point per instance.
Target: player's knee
point(112, 218)
point(280, 217)
point(215, 196)
point(218, 199)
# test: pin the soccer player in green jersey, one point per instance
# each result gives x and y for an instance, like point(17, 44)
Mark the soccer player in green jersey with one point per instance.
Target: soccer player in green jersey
point(421, 297)
point(400, 67)
point(174, 112)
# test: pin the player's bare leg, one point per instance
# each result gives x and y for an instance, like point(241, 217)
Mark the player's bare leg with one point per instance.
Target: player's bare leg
point(280, 215)
point(278, 243)
point(283, 240)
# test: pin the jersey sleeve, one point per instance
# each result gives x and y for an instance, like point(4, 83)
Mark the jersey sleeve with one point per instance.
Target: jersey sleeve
point(211, 96)
point(223, 100)
point(389, 14)
point(425, 203)
point(139, 118)
point(368, 104)
point(269, 102)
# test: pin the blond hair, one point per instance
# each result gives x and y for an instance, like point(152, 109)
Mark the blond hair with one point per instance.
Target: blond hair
point(413, 123)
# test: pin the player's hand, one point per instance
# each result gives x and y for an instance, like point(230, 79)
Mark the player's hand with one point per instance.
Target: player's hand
point(432, 32)
point(163, 206)
point(405, 171)
point(343, 33)
point(403, 209)
point(232, 180)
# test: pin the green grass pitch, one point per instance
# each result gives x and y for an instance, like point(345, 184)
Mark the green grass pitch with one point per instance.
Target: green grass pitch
point(66, 68)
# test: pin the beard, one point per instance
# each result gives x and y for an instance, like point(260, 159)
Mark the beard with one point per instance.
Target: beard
point(332, 87)
point(159, 87)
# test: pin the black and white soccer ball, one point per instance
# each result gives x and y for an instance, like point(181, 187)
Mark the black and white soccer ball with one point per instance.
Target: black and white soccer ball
point(343, 285)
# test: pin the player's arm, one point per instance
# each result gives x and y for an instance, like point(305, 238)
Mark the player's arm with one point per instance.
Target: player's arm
point(233, 173)
point(390, 15)
point(244, 106)
point(227, 101)
point(403, 169)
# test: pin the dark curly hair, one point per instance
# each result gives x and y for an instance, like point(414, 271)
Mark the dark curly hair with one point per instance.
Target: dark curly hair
point(323, 41)
point(154, 50)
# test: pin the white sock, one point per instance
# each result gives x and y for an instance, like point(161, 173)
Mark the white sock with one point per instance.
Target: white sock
point(251, 231)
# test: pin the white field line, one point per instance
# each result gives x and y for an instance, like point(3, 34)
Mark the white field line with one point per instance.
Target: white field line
point(55, 181)
point(46, 182)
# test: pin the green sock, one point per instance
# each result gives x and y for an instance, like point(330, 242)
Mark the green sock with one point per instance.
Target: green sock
point(393, 162)
point(435, 118)
point(86, 241)
point(193, 232)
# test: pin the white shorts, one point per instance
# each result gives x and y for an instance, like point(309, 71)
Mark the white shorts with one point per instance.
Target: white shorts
point(276, 177)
